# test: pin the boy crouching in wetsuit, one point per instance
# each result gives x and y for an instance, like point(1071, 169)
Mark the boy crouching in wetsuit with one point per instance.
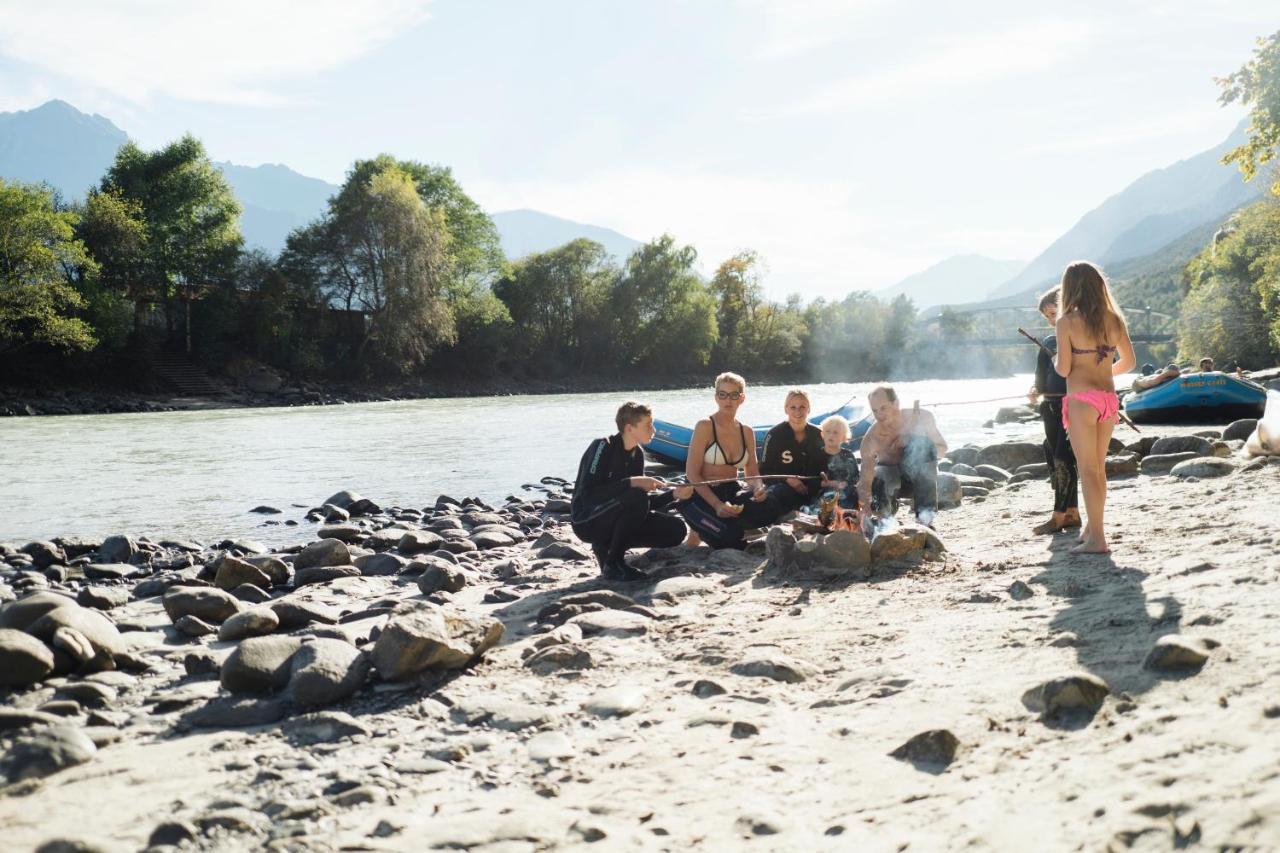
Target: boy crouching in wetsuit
point(612, 508)
point(840, 476)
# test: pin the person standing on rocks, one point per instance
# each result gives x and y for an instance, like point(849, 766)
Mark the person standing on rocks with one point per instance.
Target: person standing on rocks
point(899, 455)
point(612, 508)
point(1057, 446)
point(1088, 322)
point(720, 447)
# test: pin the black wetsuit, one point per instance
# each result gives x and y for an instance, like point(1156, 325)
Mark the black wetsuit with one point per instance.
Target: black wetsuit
point(844, 466)
point(1057, 448)
point(784, 454)
point(611, 514)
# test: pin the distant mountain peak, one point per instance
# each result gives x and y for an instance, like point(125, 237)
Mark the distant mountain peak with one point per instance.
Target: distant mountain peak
point(957, 279)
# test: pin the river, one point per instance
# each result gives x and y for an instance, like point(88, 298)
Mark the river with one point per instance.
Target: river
point(196, 474)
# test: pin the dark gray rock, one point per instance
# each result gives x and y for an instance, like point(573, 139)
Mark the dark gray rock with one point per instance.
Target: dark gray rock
point(23, 613)
point(265, 510)
point(233, 712)
point(1240, 430)
point(380, 565)
point(950, 491)
point(206, 603)
point(276, 569)
point(250, 594)
point(24, 660)
point(259, 665)
point(420, 636)
point(194, 626)
point(46, 752)
point(438, 576)
point(325, 671)
point(775, 666)
point(1162, 463)
point(108, 571)
point(325, 552)
point(1019, 591)
point(1203, 468)
point(704, 689)
point(256, 622)
point(928, 750)
point(44, 554)
point(1181, 444)
point(418, 541)
point(322, 727)
point(172, 833)
point(323, 574)
point(296, 614)
point(103, 597)
point(458, 546)
point(563, 551)
point(347, 533)
point(565, 656)
point(1009, 455)
point(232, 572)
point(993, 472)
point(344, 499)
point(117, 549)
point(12, 719)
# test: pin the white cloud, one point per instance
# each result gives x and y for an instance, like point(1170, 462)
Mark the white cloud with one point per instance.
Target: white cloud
point(796, 27)
point(953, 62)
point(809, 233)
point(231, 51)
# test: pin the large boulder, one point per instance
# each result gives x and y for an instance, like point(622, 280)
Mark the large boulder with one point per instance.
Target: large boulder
point(46, 752)
point(259, 665)
point(1204, 467)
point(232, 572)
point(21, 614)
point(419, 635)
point(272, 566)
point(249, 623)
point(843, 549)
point(907, 542)
point(1162, 463)
point(417, 541)
point(380, 565)
point(117, 549)
point(1011, 455)
point(325, 552)
point(349, 533)
point(993, 472)
point(44, 554)
point(325, 671)
point(24, 660)
point(950, 491)
point(100, 632)
point(323, 574)
point(205, 603)
point(1240, 430)
point(1182, 444)
point(967, 455)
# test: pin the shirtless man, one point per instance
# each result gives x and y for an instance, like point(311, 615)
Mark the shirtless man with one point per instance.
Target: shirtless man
point(901, 448)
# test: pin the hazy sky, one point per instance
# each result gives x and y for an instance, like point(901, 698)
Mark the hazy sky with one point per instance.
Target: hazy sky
point(850, 143)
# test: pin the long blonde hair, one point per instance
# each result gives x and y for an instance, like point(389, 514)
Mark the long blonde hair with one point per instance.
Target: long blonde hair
point(1085, 291)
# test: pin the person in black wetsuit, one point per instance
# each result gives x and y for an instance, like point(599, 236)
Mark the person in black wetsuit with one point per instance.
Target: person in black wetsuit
point(794, 447)
point(1057, 448)
point(612, 508)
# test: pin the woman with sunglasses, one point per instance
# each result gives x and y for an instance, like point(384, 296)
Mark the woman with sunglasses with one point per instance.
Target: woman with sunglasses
point(721, 446)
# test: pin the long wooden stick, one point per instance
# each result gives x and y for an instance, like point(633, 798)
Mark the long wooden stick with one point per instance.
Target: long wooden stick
point(1119, 413)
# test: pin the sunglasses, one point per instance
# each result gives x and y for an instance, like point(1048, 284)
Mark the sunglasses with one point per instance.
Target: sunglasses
point(728, 395)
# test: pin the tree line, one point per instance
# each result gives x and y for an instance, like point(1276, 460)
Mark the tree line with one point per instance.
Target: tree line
point(403, 275)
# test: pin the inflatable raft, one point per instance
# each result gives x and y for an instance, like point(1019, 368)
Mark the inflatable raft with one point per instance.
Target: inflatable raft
point(670, 445)
point(1212, 398)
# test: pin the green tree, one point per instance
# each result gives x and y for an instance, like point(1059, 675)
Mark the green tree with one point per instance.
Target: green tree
point(1257, 85)
point(38, 252)
point(556, 300)
point(1232, 308)
point(736, 286)
point(192, 233)
point(114, 232)
point(665, 315)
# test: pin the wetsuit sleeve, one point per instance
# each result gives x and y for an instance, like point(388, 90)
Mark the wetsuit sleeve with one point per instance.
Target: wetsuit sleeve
point(1042, 371)
point(771, 461)
point(817, 462)
point(593, 486)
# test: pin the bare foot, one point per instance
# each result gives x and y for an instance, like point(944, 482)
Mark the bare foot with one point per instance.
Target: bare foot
point(1044, 528)
point(1071, 518)
point(1091, 547)
point(693, 540)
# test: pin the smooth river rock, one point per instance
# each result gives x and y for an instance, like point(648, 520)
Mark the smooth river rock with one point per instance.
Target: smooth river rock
point(205, 603)
point(419, 635)
point(24, 660)
point(259, 665)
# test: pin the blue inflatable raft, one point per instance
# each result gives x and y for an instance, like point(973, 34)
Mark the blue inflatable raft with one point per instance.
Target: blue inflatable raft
point(1211, 398)
point(670, 446)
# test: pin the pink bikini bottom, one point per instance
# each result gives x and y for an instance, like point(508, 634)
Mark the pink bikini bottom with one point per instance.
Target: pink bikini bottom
point(1106, 402)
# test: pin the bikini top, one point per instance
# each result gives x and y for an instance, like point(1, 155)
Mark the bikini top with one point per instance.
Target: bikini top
point(714, 454)
point(1102, 352)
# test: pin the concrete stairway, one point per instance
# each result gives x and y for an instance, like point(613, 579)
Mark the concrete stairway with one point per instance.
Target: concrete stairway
point(177, 372)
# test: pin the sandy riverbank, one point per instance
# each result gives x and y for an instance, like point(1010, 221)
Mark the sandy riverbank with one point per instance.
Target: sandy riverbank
point(739, 706)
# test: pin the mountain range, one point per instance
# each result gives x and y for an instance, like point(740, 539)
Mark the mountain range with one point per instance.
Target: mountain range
point(69, 150)
point(961, 278)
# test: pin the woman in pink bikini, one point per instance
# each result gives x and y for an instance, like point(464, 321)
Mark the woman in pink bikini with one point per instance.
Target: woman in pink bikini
point(1088, 322)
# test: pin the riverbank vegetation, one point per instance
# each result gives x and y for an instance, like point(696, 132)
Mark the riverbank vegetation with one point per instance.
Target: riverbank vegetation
point(403, 277)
